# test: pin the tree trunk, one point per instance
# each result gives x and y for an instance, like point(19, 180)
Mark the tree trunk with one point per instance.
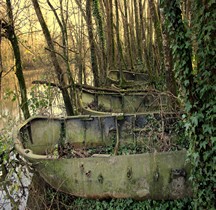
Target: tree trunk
point(157, 36)
point(1, 64)
point(80, 40)
point(66, 54)
point(132, 33)
point(11, 35)
point(63, 26)
point(91, 42)
point(110, 35)
point(137, 27)
point(100, 31)
point(181, 53)
point(149, 45)
point(168, 62)
point(120, 52)
point(127, 36)
point(143, 37)
point(58, 69)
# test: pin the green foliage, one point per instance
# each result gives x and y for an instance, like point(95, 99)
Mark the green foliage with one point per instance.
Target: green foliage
point(71, 203)
point(203, 119)
point(181, 48)
point(129, 204)
point(198, 85)
point(39, 99)
point(10, 94)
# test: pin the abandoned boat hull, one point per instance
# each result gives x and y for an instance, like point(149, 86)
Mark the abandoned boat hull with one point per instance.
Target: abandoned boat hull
point(128, 75)
point(146, 176)
point(157, 175)
point(41, 134)
point(130, 78)
point(123, 101)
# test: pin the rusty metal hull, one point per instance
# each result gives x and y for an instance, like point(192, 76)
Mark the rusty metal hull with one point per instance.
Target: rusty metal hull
point(157, 175)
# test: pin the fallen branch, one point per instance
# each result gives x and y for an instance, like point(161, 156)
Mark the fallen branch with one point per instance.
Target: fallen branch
point(47, 83)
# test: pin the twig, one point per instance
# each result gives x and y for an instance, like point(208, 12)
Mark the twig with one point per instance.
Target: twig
point(65, 47)
point(56, 53)
point(8, 71)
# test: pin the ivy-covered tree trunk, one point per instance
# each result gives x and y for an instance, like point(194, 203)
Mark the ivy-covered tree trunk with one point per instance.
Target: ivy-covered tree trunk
point(119, 46)
point(100, 31)
point(81, 45)
point(150, 46)
point(157, 35)
point(168, 59)
point(110, 35)
point(131, 25)
point(11, 35)
point(199, 88)
point(202, 119)
point(94, 63)
point(127, 36)
point(181, 50)
point(143, 37)
point(58, 69)
point(138, 31)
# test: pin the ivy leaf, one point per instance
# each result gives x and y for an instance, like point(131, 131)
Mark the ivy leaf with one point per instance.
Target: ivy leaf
point(186, 83)
point(203, 145)
point(188, 106)
point(207, 129)
point(184, 116)
point(194, 120)
point(187, 126)
point(213, 139)
point(195, 156)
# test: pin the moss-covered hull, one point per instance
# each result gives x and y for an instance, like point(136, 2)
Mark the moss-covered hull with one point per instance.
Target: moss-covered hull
point(129, 79)
point(144, 176)
point(156, 175)
point(122, 101)
point(128, 75)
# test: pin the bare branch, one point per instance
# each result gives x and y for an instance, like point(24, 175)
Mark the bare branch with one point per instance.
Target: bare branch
point(56, 53)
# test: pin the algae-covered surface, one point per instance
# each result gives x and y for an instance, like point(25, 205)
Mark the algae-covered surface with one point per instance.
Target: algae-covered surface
point(142, 176)
point(126, 102)
point(134, 133)
point(118, 156)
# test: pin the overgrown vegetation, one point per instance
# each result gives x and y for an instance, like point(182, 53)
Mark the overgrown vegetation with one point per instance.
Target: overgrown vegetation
point(198, 84)
point(111, 204)
point(115, 35)
point(201, 127)
point(153, 133)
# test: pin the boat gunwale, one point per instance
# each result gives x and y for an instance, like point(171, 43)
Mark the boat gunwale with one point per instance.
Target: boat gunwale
point(27, 153)
point(115, 72)
point(108, 114)
point(119, 92)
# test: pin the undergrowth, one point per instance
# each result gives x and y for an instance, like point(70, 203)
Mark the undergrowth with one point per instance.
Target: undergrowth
point(63, 201)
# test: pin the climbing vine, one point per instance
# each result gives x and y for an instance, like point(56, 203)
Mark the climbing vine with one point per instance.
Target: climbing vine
point(181, 49)
point(202, 122)
point(198, 87)
point(98, 17)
